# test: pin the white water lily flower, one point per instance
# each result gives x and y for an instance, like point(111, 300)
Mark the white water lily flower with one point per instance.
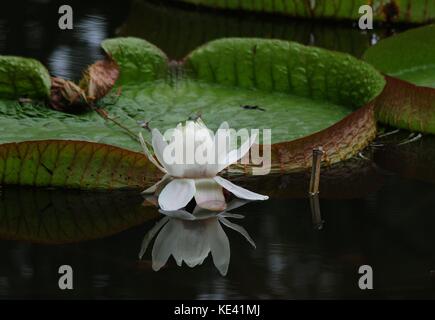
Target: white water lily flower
point(190, 237)
point(191, 162)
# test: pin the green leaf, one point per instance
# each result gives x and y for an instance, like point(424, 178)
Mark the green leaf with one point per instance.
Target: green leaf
point(55, 217)
point(308, 96)
point(23, 78)
point(408, 56)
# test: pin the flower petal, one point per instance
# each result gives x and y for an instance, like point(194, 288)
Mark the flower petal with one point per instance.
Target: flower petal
point(239, 229)
point(165, 244)
point(209, 195)
point(224, 126)
point(150, 235)
point(234, 155)
point(200, 123)
point(192, 246)
point(178, 214)
point(222, 145)
point(177, 194)
point(230, 215)
point(236, 203)
point(159, 145)
point(219, 245)
point(148, 153)
point(202, 214)
point(239, 191)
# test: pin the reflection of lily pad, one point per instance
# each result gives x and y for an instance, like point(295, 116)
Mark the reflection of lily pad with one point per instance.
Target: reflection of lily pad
point(306, 95)
point(412, 160)
point(177, 38)
point(52, 217)
point(402, 11)
point(353, 178)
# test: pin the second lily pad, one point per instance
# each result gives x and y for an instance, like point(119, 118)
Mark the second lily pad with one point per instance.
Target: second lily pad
point(409, 56)
point(409, 61)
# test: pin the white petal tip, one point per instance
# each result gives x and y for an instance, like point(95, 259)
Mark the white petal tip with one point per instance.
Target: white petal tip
point(156, 268)
point(155, 131)
point(223, 270)
point(165, 208)
point(255, 197)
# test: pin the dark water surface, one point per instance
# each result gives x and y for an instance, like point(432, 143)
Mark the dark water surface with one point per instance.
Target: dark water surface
point(378, 212)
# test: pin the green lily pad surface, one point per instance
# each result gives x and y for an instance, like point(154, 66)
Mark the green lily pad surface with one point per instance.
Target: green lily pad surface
point(409, 56)
point(163, 106)
point(289, 88)
point(251, 83)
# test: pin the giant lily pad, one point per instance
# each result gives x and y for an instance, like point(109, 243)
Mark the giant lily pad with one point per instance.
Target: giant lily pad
point(383, 10)
point(308, 96)
point(408, 59)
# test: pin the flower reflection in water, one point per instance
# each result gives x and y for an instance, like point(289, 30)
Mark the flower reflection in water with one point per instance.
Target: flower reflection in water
point(190, 237)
